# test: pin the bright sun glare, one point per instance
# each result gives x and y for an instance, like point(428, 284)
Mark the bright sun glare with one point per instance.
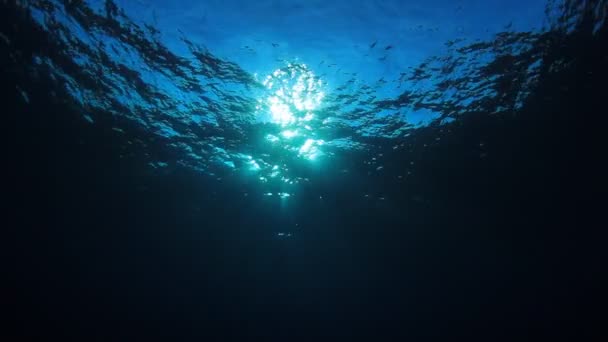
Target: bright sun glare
point(294, 93)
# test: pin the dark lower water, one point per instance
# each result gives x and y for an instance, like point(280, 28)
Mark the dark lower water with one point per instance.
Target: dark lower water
point(493, 232)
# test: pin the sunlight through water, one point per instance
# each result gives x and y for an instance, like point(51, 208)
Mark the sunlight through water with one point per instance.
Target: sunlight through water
point(293, 95)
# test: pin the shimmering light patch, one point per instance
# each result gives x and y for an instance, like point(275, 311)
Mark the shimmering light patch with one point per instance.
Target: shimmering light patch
point(307, 145)
point(310, 149)
point(158, 164)
point(309, 116)
point(289, 134)
point(253, 165)
point(280, 112)
point(284, 195)
point(88, 118)
point(272, 138)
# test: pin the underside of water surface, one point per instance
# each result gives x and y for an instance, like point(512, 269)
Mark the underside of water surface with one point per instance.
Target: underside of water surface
point(289, 115)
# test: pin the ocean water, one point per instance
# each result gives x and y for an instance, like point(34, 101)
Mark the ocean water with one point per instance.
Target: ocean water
point(304, 170)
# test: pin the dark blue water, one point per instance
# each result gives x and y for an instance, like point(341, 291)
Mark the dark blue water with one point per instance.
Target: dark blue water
point(289, 170)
